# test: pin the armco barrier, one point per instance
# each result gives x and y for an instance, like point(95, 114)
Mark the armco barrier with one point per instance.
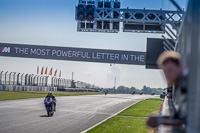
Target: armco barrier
point(26, 88)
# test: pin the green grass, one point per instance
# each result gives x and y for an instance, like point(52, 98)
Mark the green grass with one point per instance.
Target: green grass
point(144, 108)
point(131, 120)
point(119, 124)
point(13, 95)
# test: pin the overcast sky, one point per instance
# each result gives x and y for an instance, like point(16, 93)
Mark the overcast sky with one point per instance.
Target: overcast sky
point(52, 23)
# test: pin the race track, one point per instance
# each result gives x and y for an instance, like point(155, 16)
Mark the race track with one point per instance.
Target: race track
point(74, 114)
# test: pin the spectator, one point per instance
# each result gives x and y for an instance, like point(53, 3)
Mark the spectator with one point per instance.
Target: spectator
point(169, 90)
point(170, 63)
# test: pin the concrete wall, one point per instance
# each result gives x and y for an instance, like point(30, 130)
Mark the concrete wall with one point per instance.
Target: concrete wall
point(26, 88)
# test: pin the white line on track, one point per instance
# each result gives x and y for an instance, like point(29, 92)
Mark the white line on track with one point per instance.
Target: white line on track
point(111, 116)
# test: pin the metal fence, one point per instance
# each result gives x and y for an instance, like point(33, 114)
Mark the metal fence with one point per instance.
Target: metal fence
point(188, 46)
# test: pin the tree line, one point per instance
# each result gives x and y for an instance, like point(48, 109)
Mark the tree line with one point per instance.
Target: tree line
point(127, 90)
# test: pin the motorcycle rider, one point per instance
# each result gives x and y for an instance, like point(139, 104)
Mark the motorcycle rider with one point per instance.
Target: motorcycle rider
point(50, 95)
point(106, 92)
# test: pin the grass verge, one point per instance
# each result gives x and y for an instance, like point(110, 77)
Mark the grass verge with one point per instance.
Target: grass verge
point(131, 120)
point(13, 95)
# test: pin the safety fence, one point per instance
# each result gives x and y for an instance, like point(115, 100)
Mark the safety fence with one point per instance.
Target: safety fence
point(186, 100)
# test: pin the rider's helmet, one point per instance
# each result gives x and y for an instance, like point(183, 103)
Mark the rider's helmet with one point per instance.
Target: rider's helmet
point(49, 94)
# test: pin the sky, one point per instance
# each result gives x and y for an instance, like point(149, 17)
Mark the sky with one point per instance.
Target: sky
point(52, 23)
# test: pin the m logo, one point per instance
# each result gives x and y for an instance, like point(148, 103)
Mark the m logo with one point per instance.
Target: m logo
point(4, 49)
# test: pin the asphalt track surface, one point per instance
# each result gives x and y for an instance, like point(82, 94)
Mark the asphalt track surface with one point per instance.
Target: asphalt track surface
point(74, 114)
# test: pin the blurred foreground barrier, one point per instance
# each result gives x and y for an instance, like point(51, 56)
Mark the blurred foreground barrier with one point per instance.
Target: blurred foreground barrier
point(188, 45)
point(168, 111)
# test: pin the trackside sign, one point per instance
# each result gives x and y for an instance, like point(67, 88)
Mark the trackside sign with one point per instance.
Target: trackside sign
point(4, 49)
point(72, 54)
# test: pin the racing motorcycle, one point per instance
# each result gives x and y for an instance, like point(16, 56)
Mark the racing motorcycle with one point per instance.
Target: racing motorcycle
point(49, 106)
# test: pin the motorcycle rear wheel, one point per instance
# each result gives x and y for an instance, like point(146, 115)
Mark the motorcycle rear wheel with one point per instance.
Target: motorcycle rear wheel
point(48, 113)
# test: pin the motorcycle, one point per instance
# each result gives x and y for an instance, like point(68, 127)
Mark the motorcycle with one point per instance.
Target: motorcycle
point(141, 93)
point(106, 92)
point(49, 106)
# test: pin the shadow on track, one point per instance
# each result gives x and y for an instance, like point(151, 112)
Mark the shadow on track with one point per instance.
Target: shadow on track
point(44, 116)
